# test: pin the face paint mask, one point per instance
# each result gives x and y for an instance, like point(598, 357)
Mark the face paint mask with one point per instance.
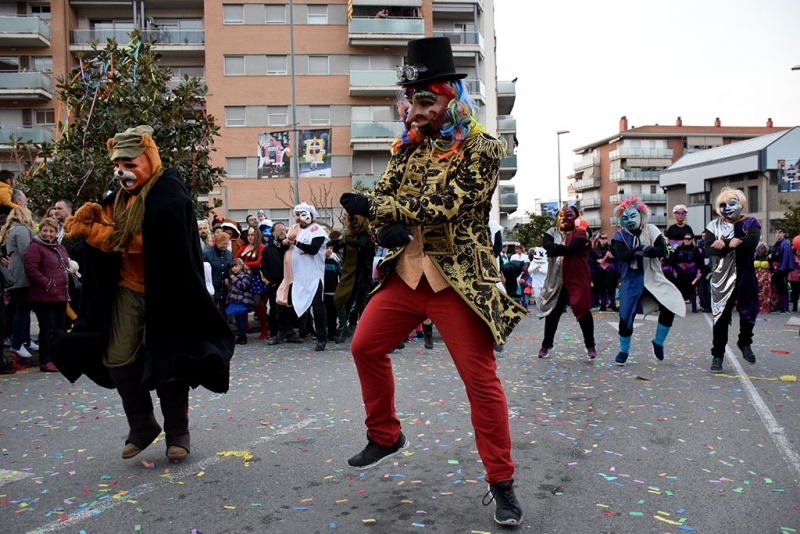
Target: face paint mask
point(305, 218)
point(566, 220)
point(631, 220)
point(132, 174)
point(731, 210)
point(680, 216)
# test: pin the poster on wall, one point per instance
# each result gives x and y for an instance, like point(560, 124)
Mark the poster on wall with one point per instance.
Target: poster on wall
point(275, 153)
point(549, 208)
point(788, 175)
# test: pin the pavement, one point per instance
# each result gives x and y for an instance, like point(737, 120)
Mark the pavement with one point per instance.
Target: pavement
point(648, 447)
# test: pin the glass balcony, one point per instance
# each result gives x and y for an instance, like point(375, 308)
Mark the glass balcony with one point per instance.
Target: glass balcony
point(477, 89)
point(471, 40)
point(19, 31)
point(475, 2)
point(627, 152)
point(26, 85)
point(508, 202)
point(191, 38)
point(633, 176)
point(593, 222)
point(508, 167)
point(647, 198)
point(375, 130)
point(32, 135)
point(586, 183)
point(506, 123)
point(585, 163)
point(373, 83)
point(506, 95)
point(388, 32)
point(587, 203)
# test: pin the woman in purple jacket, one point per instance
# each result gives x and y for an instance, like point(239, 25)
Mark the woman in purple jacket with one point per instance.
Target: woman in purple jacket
point(47, 269)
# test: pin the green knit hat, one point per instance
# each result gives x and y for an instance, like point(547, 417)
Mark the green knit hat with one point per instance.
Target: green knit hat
point(126, 144)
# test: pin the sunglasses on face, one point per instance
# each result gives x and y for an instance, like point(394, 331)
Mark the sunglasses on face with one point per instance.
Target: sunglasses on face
point(603, 238)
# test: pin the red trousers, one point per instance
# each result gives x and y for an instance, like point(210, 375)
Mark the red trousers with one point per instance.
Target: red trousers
point(390, 315)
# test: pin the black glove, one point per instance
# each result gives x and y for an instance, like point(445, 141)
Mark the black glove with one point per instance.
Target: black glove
point(337, 244)
point(394, 235)
point(650, 251)
point(355, 204)
point(638, 254)
point(556, 251)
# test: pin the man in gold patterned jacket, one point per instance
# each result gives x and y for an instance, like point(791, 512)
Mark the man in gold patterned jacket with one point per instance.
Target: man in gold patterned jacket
point(431, 209)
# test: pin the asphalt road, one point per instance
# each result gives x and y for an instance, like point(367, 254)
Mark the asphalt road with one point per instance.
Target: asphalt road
point(649, 447)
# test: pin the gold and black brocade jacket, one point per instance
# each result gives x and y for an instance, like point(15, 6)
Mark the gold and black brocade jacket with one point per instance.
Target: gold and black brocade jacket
point(450, 200)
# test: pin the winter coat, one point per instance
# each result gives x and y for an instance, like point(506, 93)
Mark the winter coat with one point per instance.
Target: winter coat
point(220, 261)
point(239, 291)
point(272, 265)
point(17, 242)
point(46, 267)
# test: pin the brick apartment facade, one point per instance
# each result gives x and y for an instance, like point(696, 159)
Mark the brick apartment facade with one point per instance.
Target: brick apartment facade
point(628, 163)
point(344, 74)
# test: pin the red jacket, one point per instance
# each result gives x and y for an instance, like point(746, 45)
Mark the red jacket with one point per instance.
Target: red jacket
point(46, 268)
point(255, 263)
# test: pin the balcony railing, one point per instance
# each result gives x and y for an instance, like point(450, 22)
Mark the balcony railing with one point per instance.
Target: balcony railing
point(191, 38)
point(586, 183)
point(373, 82)
point(375, 130)
point(587, 203)
point(648, 198)
point(507, 123)
point(628, 152)
point(476, 2)
point(633, 176)
point(508, 202)
point(477, 89)
point(506, 95)
point(23, 31)
point(389, 31)
point(465, 39)
point(31, 135)
point(585, 163)
point(26, 85)
point(593, 222)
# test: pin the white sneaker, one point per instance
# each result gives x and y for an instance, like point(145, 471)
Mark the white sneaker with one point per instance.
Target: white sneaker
point(32, 346)
point(22, 352)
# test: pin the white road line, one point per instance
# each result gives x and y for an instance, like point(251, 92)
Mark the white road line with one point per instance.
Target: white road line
point(185, 471)
point(7, 476)
point(773, 428)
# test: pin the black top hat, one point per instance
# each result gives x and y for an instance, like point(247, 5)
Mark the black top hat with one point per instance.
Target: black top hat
point(429, 60)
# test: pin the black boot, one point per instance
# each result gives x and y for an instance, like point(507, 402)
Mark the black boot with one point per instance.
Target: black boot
point(174, 397)
point(138, 406)
point(241, 340)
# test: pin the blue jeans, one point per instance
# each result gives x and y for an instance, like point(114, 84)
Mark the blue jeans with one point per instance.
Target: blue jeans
point(21, 327)
point(52, 317)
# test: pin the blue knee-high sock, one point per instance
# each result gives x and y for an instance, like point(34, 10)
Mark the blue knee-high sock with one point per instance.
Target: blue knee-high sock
point(625, 344)
point(661, 334)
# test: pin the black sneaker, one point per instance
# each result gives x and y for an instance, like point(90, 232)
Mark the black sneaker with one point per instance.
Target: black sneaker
point(507, 509)
point(373, 454)
point(320, 346)
point(747, 354)
point(716, 365)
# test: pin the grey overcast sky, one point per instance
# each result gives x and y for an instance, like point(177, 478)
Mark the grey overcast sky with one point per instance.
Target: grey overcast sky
point(582, 64)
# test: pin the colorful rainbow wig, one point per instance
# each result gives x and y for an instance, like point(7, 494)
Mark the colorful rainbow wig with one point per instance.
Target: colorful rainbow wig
point(728, 193)
point(459, 121)
point(635, 203)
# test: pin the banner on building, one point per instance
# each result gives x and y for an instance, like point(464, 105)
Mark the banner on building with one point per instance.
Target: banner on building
point(549, 208)
point(788, 175)
point(275, 153)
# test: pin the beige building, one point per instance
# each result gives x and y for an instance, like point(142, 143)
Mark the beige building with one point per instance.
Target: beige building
point(342, 74)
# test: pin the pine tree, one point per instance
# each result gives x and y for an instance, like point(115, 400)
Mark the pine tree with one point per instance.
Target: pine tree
point(111, 90)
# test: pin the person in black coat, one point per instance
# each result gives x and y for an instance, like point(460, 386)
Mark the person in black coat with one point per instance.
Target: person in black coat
point(127, 290)
point(280, 318)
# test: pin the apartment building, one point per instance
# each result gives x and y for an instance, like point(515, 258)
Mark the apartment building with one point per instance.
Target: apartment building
point(314, 79)
point(628, 163)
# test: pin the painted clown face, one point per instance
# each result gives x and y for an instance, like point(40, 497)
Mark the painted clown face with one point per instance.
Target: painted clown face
point(631, 219)
point(132, 174)
point(566, 220)
point(731, 209)
point(426, 113)
point(303, 218)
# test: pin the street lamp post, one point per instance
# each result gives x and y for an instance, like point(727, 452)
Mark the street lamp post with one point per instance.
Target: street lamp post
point(558, 142)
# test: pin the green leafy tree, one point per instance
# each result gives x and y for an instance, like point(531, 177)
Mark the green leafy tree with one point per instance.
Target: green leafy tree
point(529, 234)
point(790, 220)
point(111, 90)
